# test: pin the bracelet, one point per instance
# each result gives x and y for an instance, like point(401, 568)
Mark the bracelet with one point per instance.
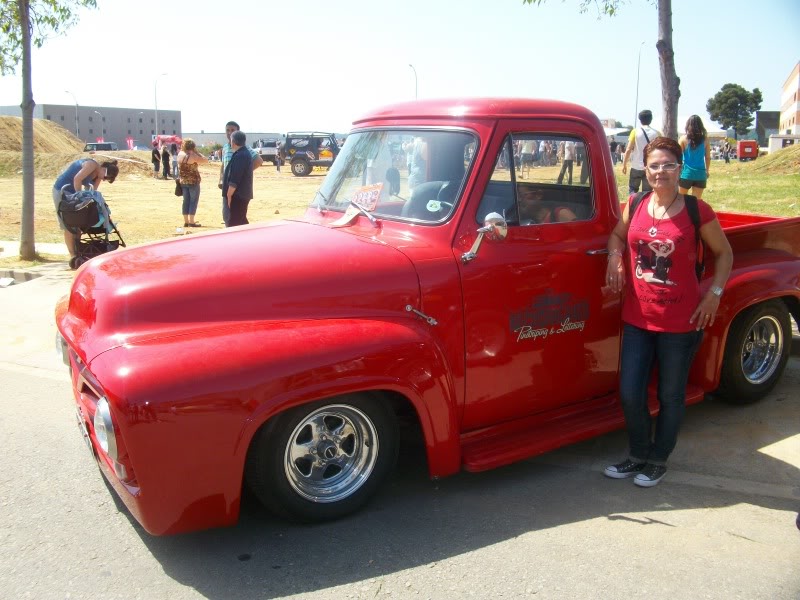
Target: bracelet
point(614, 252)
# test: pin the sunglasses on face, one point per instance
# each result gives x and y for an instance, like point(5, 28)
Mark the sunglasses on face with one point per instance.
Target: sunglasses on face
point(666, 167)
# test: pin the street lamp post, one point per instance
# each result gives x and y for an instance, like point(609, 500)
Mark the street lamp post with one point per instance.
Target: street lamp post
point(415, 80)
point(77, 130)
point(102, 127)
point(636, 106)
point(155, 93)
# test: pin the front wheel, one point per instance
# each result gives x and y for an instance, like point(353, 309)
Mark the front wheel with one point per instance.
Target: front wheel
point(756, 352)
point(324, 460)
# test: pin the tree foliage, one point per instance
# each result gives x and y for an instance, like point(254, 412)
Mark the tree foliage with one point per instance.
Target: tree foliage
point(47, 18)
point(605, 7)
point(670, 82)
point(24, 23)
point(733, 107)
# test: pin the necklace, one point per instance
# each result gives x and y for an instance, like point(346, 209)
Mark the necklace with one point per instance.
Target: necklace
point(654, 229)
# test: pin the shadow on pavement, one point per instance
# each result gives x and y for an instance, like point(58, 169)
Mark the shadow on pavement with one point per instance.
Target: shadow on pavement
point(416, 522)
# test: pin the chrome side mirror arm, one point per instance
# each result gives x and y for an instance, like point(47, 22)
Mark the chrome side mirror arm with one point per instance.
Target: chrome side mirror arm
point(494, 228)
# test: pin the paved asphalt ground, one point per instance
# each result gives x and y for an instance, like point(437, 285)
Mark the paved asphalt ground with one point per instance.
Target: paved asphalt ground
point(720, 526)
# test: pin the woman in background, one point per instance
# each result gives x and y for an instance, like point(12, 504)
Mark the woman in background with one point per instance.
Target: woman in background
point(696, 158)
point(174, 151)
point(188, 159)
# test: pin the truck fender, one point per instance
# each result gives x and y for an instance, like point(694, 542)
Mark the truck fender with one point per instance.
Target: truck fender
point(746, 287)
point(406, 361)
point(192, 403)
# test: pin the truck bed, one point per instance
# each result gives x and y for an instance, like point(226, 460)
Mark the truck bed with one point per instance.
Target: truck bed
point(759, 232)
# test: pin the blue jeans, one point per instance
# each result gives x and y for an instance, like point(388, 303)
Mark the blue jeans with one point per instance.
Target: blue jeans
point(191, 197)
point(641, 350)
point(226, 211)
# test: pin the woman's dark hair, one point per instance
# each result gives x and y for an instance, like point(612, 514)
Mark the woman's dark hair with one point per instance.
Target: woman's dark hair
point(664, 144)
point(695, 132)
point(112, 170)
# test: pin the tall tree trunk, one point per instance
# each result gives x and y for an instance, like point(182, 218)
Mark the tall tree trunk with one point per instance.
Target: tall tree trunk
point(670, 82)
point(27, 248)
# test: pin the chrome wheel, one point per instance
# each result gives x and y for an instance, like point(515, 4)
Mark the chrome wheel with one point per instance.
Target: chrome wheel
point(331, 453)
point(762, 349)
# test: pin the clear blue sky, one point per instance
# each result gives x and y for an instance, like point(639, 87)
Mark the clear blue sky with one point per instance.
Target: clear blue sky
point(278, 65)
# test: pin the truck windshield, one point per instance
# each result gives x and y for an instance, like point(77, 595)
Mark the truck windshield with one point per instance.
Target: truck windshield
point(400, 174)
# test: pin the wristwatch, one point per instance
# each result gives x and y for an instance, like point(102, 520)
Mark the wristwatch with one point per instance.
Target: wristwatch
point(716, 290)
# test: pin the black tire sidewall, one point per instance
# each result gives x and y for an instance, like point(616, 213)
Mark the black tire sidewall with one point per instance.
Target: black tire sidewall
point(265, 463)
point(734, 386)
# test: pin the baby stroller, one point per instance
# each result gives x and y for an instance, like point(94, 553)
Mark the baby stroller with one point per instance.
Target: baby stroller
point(86, 214)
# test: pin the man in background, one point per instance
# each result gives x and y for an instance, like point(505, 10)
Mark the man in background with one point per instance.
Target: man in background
point(237, 180)
point(638, 139)
point(226, 153)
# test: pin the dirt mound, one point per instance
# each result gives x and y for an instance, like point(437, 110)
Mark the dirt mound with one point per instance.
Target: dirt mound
point(54, 148)
point(51, 164)
point(785, 161)
point(47, 136)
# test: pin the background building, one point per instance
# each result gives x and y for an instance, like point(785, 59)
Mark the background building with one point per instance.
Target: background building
point(767, 124)
point(105, 123)
point(208, 138)
point(790, 102)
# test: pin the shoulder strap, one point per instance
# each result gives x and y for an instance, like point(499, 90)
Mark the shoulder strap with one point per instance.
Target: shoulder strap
point(694, 214)
point(634, 203)
point(645, 135)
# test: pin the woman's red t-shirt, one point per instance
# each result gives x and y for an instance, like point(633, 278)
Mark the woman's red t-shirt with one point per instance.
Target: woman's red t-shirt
point(662, 291)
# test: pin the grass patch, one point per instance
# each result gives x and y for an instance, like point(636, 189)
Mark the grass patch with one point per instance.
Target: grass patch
point(15, 262)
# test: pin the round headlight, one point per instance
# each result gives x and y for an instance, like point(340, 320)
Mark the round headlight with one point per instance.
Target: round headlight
point(104, 428)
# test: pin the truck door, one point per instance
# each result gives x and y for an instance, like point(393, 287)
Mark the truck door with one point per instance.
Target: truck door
point(540, 332)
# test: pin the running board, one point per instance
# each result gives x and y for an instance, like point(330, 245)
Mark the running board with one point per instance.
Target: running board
point(507, 443)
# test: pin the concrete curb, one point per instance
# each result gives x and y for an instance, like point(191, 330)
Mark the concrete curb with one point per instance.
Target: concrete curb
point(58, 269)
point(10, 248)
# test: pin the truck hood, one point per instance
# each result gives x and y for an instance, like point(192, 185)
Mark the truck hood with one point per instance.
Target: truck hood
point(282, 271)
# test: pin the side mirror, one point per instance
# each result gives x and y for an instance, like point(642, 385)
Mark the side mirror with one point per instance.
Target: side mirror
point(494, 227)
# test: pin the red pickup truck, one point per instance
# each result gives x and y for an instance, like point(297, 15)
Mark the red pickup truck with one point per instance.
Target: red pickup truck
point(414, 292)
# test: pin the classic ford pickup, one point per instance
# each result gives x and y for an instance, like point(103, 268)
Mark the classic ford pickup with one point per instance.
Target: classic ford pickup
point(414, 291)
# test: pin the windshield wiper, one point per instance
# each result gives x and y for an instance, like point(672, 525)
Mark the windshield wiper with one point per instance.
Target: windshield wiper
point(365, 212)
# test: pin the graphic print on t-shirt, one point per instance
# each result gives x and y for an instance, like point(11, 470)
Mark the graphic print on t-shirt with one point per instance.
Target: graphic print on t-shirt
point(653, 261)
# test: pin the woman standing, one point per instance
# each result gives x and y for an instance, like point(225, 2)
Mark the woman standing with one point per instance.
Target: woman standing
point(664, 312)
point(174, 151)
point(696, 157)
point(188, 159)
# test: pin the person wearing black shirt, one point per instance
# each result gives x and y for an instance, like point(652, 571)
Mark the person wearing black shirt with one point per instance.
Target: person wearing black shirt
point(165, 161)
point(237, 181)
point(155, 156)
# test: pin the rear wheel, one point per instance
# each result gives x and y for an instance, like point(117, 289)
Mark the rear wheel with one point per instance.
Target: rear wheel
point(324, 460)
point(301, 167)
point(756, 352)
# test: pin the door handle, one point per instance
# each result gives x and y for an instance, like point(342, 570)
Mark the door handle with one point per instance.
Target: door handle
point(596, 252)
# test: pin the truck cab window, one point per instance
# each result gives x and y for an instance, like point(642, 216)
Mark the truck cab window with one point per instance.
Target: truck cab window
point(539, 178)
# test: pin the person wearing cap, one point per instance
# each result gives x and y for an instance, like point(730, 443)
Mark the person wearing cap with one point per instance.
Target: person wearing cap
point(81, 173)
point(638, 139)
point(237, 181)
